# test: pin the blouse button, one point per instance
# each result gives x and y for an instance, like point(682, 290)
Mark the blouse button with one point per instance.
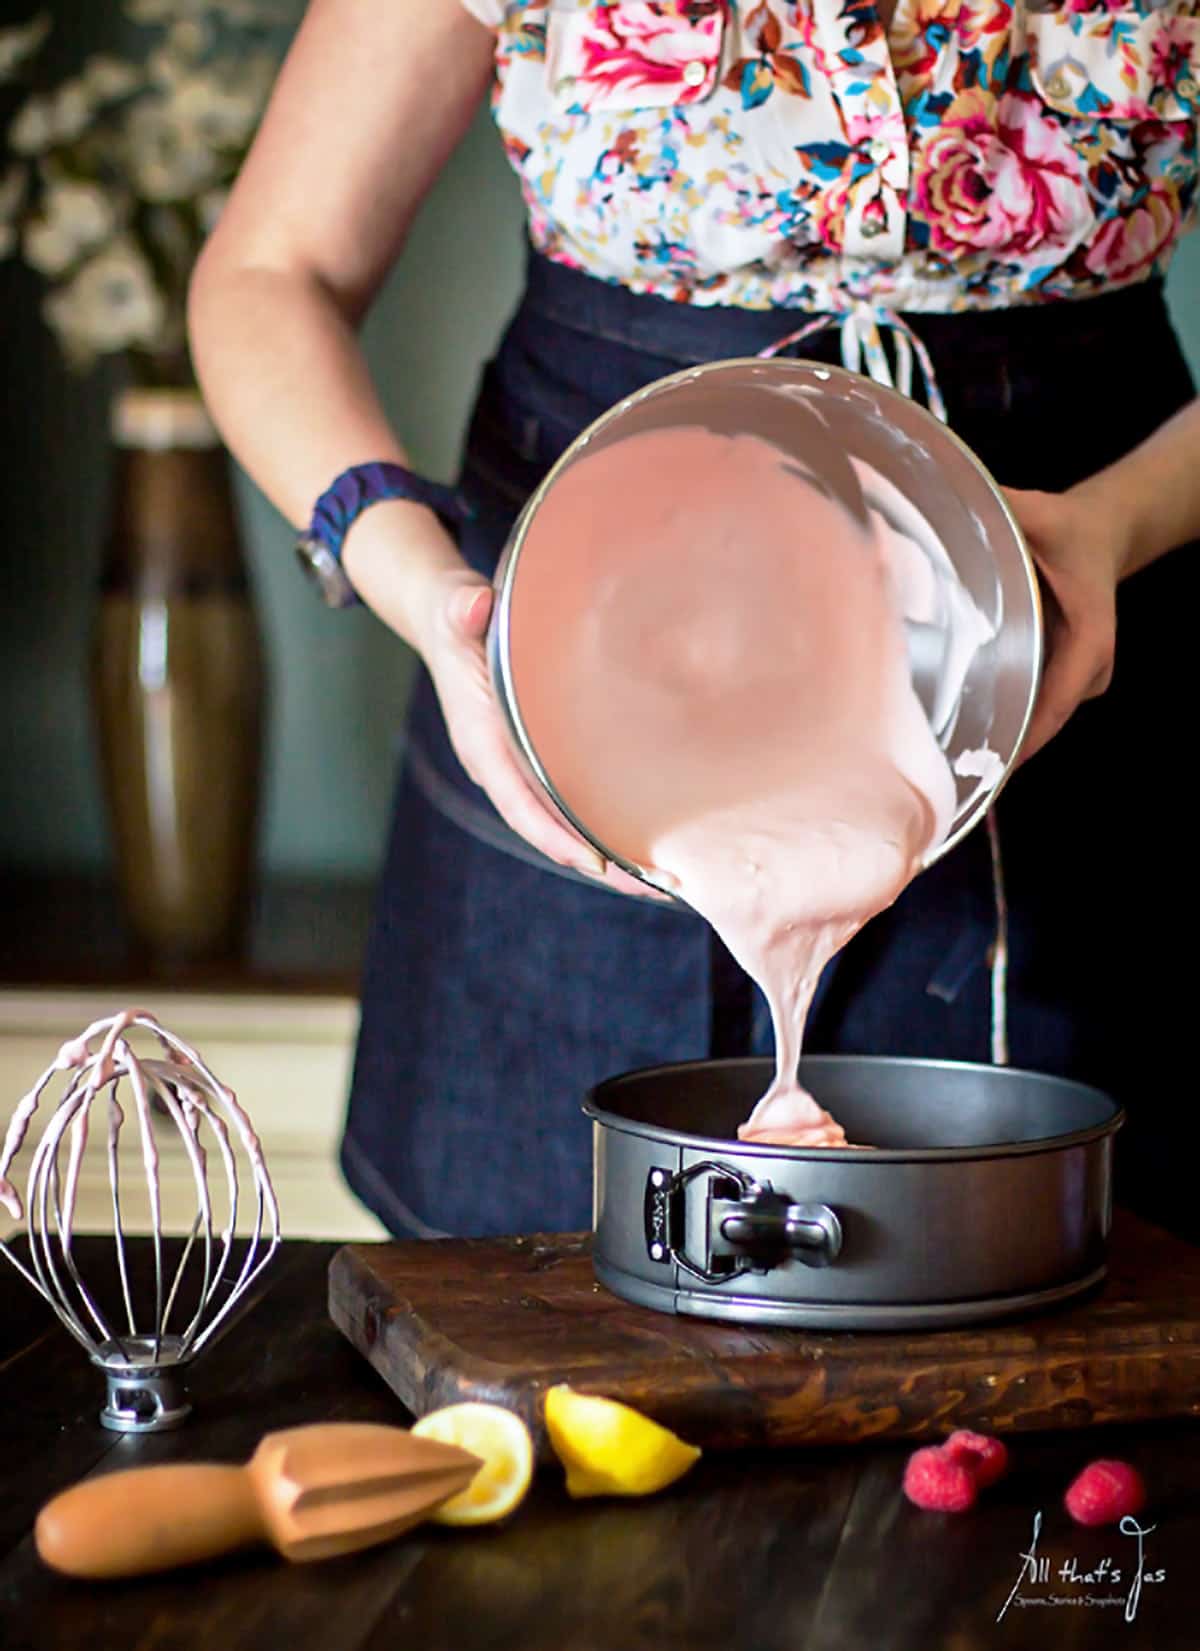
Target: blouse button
point(880, 150)
point(1057, 85)
point(695, 73)
point(1187, 87)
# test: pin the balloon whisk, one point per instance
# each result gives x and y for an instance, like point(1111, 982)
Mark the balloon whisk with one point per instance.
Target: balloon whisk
point(104, 1081)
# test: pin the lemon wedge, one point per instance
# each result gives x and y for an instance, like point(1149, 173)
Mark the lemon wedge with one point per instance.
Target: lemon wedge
point(610, 1449)
point(501, 1441)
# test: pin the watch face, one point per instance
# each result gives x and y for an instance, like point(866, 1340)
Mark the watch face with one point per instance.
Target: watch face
point(326, 572)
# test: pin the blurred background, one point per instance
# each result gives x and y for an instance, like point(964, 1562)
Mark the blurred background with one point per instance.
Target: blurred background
point(275, 1013)
point(278, 1005)
point(338, 680)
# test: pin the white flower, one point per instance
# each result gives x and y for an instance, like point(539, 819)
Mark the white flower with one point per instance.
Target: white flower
point(73, 106)
point(183, 48)
point(33, 128)
point(189, 38)
point(48, 247)
point(211, 109)
point(111, 304)
point(60, 117)
point(185, 45)
point(179, 143)
point(108, 78)
point(163, 68)
point(18, 45)
point(164, 159)
point(75, 218)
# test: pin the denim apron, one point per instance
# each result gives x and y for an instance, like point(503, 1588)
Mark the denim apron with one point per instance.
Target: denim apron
point(498, 989)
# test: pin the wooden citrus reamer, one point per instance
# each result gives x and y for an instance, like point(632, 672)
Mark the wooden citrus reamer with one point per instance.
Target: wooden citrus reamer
point(310, 1492)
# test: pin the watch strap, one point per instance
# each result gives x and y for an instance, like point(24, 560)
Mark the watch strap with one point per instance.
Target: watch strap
point(344, 501)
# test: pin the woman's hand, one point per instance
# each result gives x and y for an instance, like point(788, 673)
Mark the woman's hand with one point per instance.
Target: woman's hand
point(1085, 541)
point(408, 570)
point(452, 643)
point(1080, 545)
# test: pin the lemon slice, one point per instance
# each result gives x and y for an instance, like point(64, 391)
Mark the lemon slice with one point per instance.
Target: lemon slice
point(610, 1449)
point(501, 1441)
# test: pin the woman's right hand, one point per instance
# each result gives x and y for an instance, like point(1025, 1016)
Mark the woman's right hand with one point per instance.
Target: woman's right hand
point(402, 562)
point(453, 647)
point(455, 653)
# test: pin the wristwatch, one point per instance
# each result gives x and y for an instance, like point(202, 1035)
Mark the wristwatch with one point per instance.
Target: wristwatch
point(319, 551)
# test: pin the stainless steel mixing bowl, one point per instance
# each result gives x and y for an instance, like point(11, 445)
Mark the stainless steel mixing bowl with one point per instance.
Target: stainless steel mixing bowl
point(819, 417)
point(985, 1192)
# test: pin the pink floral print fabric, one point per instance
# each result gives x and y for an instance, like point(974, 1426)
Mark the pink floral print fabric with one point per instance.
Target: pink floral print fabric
point(638, 53)
point(975, 153)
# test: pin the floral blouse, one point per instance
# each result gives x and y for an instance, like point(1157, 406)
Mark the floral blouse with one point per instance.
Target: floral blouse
point(974, 154)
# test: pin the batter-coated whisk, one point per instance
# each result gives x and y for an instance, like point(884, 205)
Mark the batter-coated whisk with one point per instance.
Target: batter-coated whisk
point(140, 1354)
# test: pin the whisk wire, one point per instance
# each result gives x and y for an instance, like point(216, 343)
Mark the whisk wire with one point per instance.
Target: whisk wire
point(44, 1182)
point(41, 1250)
point(182, 1117)
point(212, 1278)
point(116, 1117)
point(141, 1098)
point(63, 1230)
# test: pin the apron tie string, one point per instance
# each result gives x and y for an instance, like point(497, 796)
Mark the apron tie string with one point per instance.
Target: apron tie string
point(862, 342)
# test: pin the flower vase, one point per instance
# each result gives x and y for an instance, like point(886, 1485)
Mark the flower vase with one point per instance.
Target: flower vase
point(178, 682)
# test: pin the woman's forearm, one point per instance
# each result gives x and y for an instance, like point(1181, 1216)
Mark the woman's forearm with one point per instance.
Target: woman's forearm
point(1155, 489)
point(285, 379)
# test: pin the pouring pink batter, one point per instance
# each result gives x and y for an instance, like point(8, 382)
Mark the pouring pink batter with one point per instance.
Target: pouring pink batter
point(723, 694)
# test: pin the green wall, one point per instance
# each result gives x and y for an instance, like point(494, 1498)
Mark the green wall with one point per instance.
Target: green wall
point(339, 680)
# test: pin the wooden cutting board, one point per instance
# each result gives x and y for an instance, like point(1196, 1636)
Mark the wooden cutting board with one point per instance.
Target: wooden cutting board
point(503, 1319)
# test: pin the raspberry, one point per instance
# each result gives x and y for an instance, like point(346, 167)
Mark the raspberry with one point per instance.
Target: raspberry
point(1105, 1492)
point(986, 1457)
point(933, 1479)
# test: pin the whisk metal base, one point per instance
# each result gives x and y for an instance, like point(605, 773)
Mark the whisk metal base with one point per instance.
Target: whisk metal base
point(145, 1384)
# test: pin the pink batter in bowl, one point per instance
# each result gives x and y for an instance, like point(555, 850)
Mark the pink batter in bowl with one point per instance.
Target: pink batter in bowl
point(973, 622)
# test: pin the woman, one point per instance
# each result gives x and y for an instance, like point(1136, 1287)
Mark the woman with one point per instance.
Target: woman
point(702, 178)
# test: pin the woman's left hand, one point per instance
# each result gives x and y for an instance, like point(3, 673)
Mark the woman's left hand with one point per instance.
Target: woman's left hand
point(1080, 545)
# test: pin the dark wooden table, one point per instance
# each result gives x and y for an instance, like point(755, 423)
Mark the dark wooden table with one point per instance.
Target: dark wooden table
point(792, 1551)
